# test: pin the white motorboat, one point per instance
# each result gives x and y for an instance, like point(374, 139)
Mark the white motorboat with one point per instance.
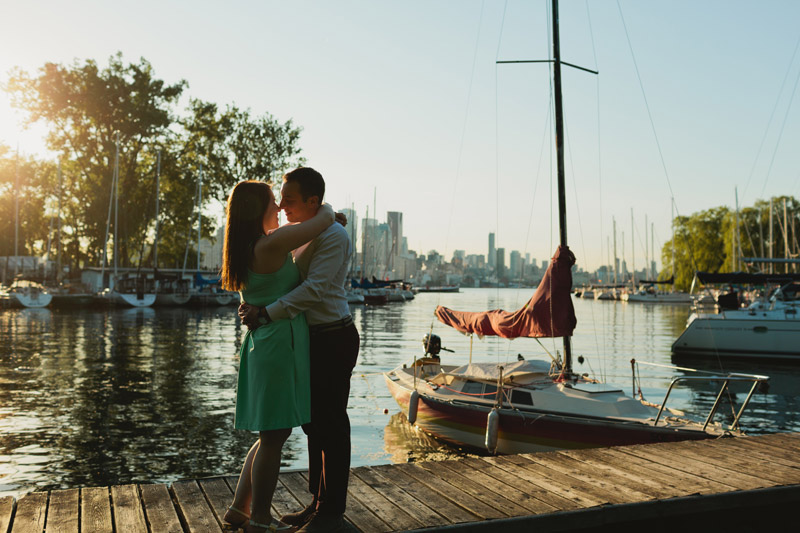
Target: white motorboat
point(651, 295)
point(765, 329)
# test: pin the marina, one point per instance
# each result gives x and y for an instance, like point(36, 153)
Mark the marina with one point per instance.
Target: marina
point(746, 482)
point(121, 396)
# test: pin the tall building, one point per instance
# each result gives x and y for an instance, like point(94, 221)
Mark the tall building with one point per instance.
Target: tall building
point(500, 262)
point(369, 241)
point(395, 220)
point(352, 224)
point(492, 255)
point(515, 264)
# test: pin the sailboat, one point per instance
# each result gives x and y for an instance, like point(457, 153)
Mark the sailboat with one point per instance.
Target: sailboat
point(649, 290)
point(128, 289)
point(768, 328)
point(530, 406)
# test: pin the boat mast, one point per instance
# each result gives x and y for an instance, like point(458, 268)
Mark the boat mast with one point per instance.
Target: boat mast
point(562, 197)
point(155, 241)
point(16, 214)
point(199, 213)
point(633, 253)
point(672, 224)
point(116, 206)
point(60, 193)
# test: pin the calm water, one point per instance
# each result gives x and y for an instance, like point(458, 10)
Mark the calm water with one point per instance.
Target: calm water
point(96, 397)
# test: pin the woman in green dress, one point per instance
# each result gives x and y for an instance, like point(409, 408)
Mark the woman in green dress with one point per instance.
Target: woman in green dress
point(273, 393)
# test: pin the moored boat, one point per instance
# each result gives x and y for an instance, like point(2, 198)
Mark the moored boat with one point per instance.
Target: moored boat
point(768, 328)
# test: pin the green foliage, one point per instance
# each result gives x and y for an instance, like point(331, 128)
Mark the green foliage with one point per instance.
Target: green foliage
point(713, 241)
point(87, 109)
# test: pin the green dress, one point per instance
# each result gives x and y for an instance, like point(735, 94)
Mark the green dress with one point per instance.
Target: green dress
point(274, 388)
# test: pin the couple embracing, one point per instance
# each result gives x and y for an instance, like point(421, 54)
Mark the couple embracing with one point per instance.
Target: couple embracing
point(299, 350)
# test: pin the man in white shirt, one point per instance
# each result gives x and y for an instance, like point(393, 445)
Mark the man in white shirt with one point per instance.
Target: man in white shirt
point(323, 265)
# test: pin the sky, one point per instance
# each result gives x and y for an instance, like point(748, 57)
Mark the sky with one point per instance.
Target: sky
point(404, 108)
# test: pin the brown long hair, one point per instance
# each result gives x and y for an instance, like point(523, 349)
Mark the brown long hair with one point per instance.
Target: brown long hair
point(243, 225)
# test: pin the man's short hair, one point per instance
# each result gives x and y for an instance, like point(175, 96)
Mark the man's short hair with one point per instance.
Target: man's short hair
point(309, 180)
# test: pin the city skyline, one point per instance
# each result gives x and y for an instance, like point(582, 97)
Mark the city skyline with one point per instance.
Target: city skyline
point(689, 107)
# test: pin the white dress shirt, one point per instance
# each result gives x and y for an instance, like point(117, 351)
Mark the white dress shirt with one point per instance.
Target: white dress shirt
point(323, 265)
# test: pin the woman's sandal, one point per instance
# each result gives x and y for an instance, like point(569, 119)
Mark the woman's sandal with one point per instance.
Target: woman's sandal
point(275, 526)
point(235, 526)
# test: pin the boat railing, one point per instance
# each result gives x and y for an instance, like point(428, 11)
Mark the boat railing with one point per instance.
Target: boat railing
point(726, 380)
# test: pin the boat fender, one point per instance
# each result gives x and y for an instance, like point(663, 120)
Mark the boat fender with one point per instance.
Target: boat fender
point(413, 404)
point(492, 425)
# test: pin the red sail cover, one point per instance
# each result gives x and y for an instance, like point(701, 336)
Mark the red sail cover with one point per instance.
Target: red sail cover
point(548, 314)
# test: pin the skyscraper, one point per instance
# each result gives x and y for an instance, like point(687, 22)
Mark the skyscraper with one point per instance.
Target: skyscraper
point(500, 262)
point(492, 253)
point(395, 220)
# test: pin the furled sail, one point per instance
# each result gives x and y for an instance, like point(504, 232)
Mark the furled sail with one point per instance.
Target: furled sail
point(549, 313)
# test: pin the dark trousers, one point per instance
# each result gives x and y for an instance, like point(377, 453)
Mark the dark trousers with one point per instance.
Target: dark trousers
point(333, 356)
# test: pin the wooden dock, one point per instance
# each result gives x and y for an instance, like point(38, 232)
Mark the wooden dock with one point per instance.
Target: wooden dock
point(746, 482)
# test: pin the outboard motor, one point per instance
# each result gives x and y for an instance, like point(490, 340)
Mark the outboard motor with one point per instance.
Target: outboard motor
point(432, 344)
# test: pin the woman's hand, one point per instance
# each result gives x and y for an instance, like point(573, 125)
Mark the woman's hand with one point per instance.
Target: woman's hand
point(341, 218)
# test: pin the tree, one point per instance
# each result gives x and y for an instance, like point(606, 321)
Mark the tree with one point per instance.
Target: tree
point(699, 245)
point(95, 113)
point(92, 112)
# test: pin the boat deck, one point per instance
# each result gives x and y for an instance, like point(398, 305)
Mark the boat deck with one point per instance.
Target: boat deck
point(656, 486)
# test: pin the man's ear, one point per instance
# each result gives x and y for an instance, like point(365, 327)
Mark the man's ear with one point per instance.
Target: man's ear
point(314, 201)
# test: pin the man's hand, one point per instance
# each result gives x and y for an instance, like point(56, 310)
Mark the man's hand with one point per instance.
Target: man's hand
point(249, 315)
point(341, 218)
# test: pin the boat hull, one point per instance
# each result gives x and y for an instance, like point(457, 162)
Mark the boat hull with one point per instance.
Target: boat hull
point(666, 298)
point(528, 431)
point(172, 299)
point(741, 338)
point(32, 300)
point(134, 300)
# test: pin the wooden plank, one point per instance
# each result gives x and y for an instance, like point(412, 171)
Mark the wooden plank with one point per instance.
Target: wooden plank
point(197, 515)
point(160, 510)
point(790, 441)
point(529, 483)
point(682, 460)
point(750, 447)
point(678, 479)
point(559, 485)
point(578, 488)
point(6, 510)
point(422, 493)
point(356, 513)
point(31, 512)
point(128, 512)
point(284, 502)
point(395, 494)
point(298, 486)
point(609, 483)
point(62, 512)
point(218, 495)
point(609, 465)
point(750, 464)
point(96, 510)
point(395, 518)
point(771, 449)
point(474, 472)
point(501, 505)
point(454, 494)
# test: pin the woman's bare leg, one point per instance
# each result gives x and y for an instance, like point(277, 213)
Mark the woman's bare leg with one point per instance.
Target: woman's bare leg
point(264, 474)
point(243, 494)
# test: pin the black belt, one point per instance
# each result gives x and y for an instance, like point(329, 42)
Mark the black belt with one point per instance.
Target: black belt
point(331, 326)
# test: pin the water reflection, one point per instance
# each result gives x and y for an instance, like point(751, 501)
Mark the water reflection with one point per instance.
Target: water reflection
point(100, 397)
point(106, 397)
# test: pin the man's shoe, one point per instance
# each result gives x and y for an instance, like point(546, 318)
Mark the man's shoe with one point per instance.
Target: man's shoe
point(324, 523)
point(301, 517)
